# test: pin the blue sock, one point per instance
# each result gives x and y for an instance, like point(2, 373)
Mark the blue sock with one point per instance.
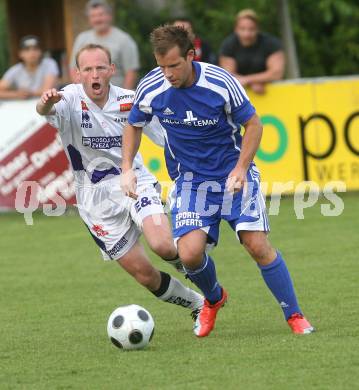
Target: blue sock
point(277, 278)
point(206, 280)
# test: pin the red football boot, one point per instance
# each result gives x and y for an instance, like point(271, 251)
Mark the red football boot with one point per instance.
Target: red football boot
point(299, 324)
point(206, 318)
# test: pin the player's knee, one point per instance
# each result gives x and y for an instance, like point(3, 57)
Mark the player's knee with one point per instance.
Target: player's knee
point(191, 248)
point(164, 248)
point(257, 248)
point(190, 256)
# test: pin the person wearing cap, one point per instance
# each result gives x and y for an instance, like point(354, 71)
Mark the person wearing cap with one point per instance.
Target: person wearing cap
point(32, 75)
point(252, 56)
point(123, 48)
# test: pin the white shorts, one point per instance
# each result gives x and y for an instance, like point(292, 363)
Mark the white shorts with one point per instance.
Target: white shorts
point(114, 219)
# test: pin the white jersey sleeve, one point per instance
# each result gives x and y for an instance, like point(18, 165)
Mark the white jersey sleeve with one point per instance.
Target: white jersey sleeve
point(62, 109)
point(153, 130)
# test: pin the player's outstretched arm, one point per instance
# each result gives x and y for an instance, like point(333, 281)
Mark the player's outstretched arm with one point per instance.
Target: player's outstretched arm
point(45, 106)
point(131, 140)
point(250, 144)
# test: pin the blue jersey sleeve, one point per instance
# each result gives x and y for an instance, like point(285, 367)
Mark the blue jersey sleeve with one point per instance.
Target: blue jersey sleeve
point(241, 108)
point(137, 117)
point(237, 103)
point(141, 113)
point(241, 114)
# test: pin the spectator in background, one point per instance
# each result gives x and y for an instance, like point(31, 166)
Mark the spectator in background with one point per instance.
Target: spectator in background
point(123, 48)
point(202, 49)
point(253, 57)
point(32, 76)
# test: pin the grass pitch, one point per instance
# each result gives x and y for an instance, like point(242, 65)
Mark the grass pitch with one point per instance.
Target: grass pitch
point(56, 294)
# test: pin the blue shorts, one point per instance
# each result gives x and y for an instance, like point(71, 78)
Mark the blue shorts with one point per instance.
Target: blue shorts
point(203, 207)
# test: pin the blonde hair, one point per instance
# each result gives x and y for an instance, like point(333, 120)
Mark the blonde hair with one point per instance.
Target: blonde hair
point(92, 46)
point(247, 14)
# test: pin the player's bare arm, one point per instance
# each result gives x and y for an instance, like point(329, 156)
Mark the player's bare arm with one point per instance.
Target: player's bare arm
point(45, 105)
point(250, 144)
point(131, 140)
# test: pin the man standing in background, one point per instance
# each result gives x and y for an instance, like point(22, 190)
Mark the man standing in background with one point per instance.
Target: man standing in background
point(123, 48)
point(253, 57)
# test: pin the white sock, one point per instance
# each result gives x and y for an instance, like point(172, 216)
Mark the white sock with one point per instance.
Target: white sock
point(179, 294)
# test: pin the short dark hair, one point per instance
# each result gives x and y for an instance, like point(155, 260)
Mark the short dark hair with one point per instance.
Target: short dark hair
point(98, 3)
point(92, 46)
point(164, 38)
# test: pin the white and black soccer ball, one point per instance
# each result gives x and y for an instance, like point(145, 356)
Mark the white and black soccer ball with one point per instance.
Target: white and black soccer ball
point(130, 327)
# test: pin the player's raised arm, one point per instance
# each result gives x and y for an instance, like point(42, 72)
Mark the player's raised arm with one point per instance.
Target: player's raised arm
point(45, 105)
point(131, 140)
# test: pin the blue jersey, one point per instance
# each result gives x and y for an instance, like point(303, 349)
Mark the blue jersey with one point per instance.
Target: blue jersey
point(201, 124)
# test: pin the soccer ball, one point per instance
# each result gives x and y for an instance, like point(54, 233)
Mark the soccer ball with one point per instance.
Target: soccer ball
point(130, 327)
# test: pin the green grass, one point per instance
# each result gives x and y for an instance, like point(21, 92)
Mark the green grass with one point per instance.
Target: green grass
point(56, 295)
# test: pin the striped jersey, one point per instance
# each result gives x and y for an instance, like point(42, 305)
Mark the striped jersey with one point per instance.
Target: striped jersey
point(200, 124)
